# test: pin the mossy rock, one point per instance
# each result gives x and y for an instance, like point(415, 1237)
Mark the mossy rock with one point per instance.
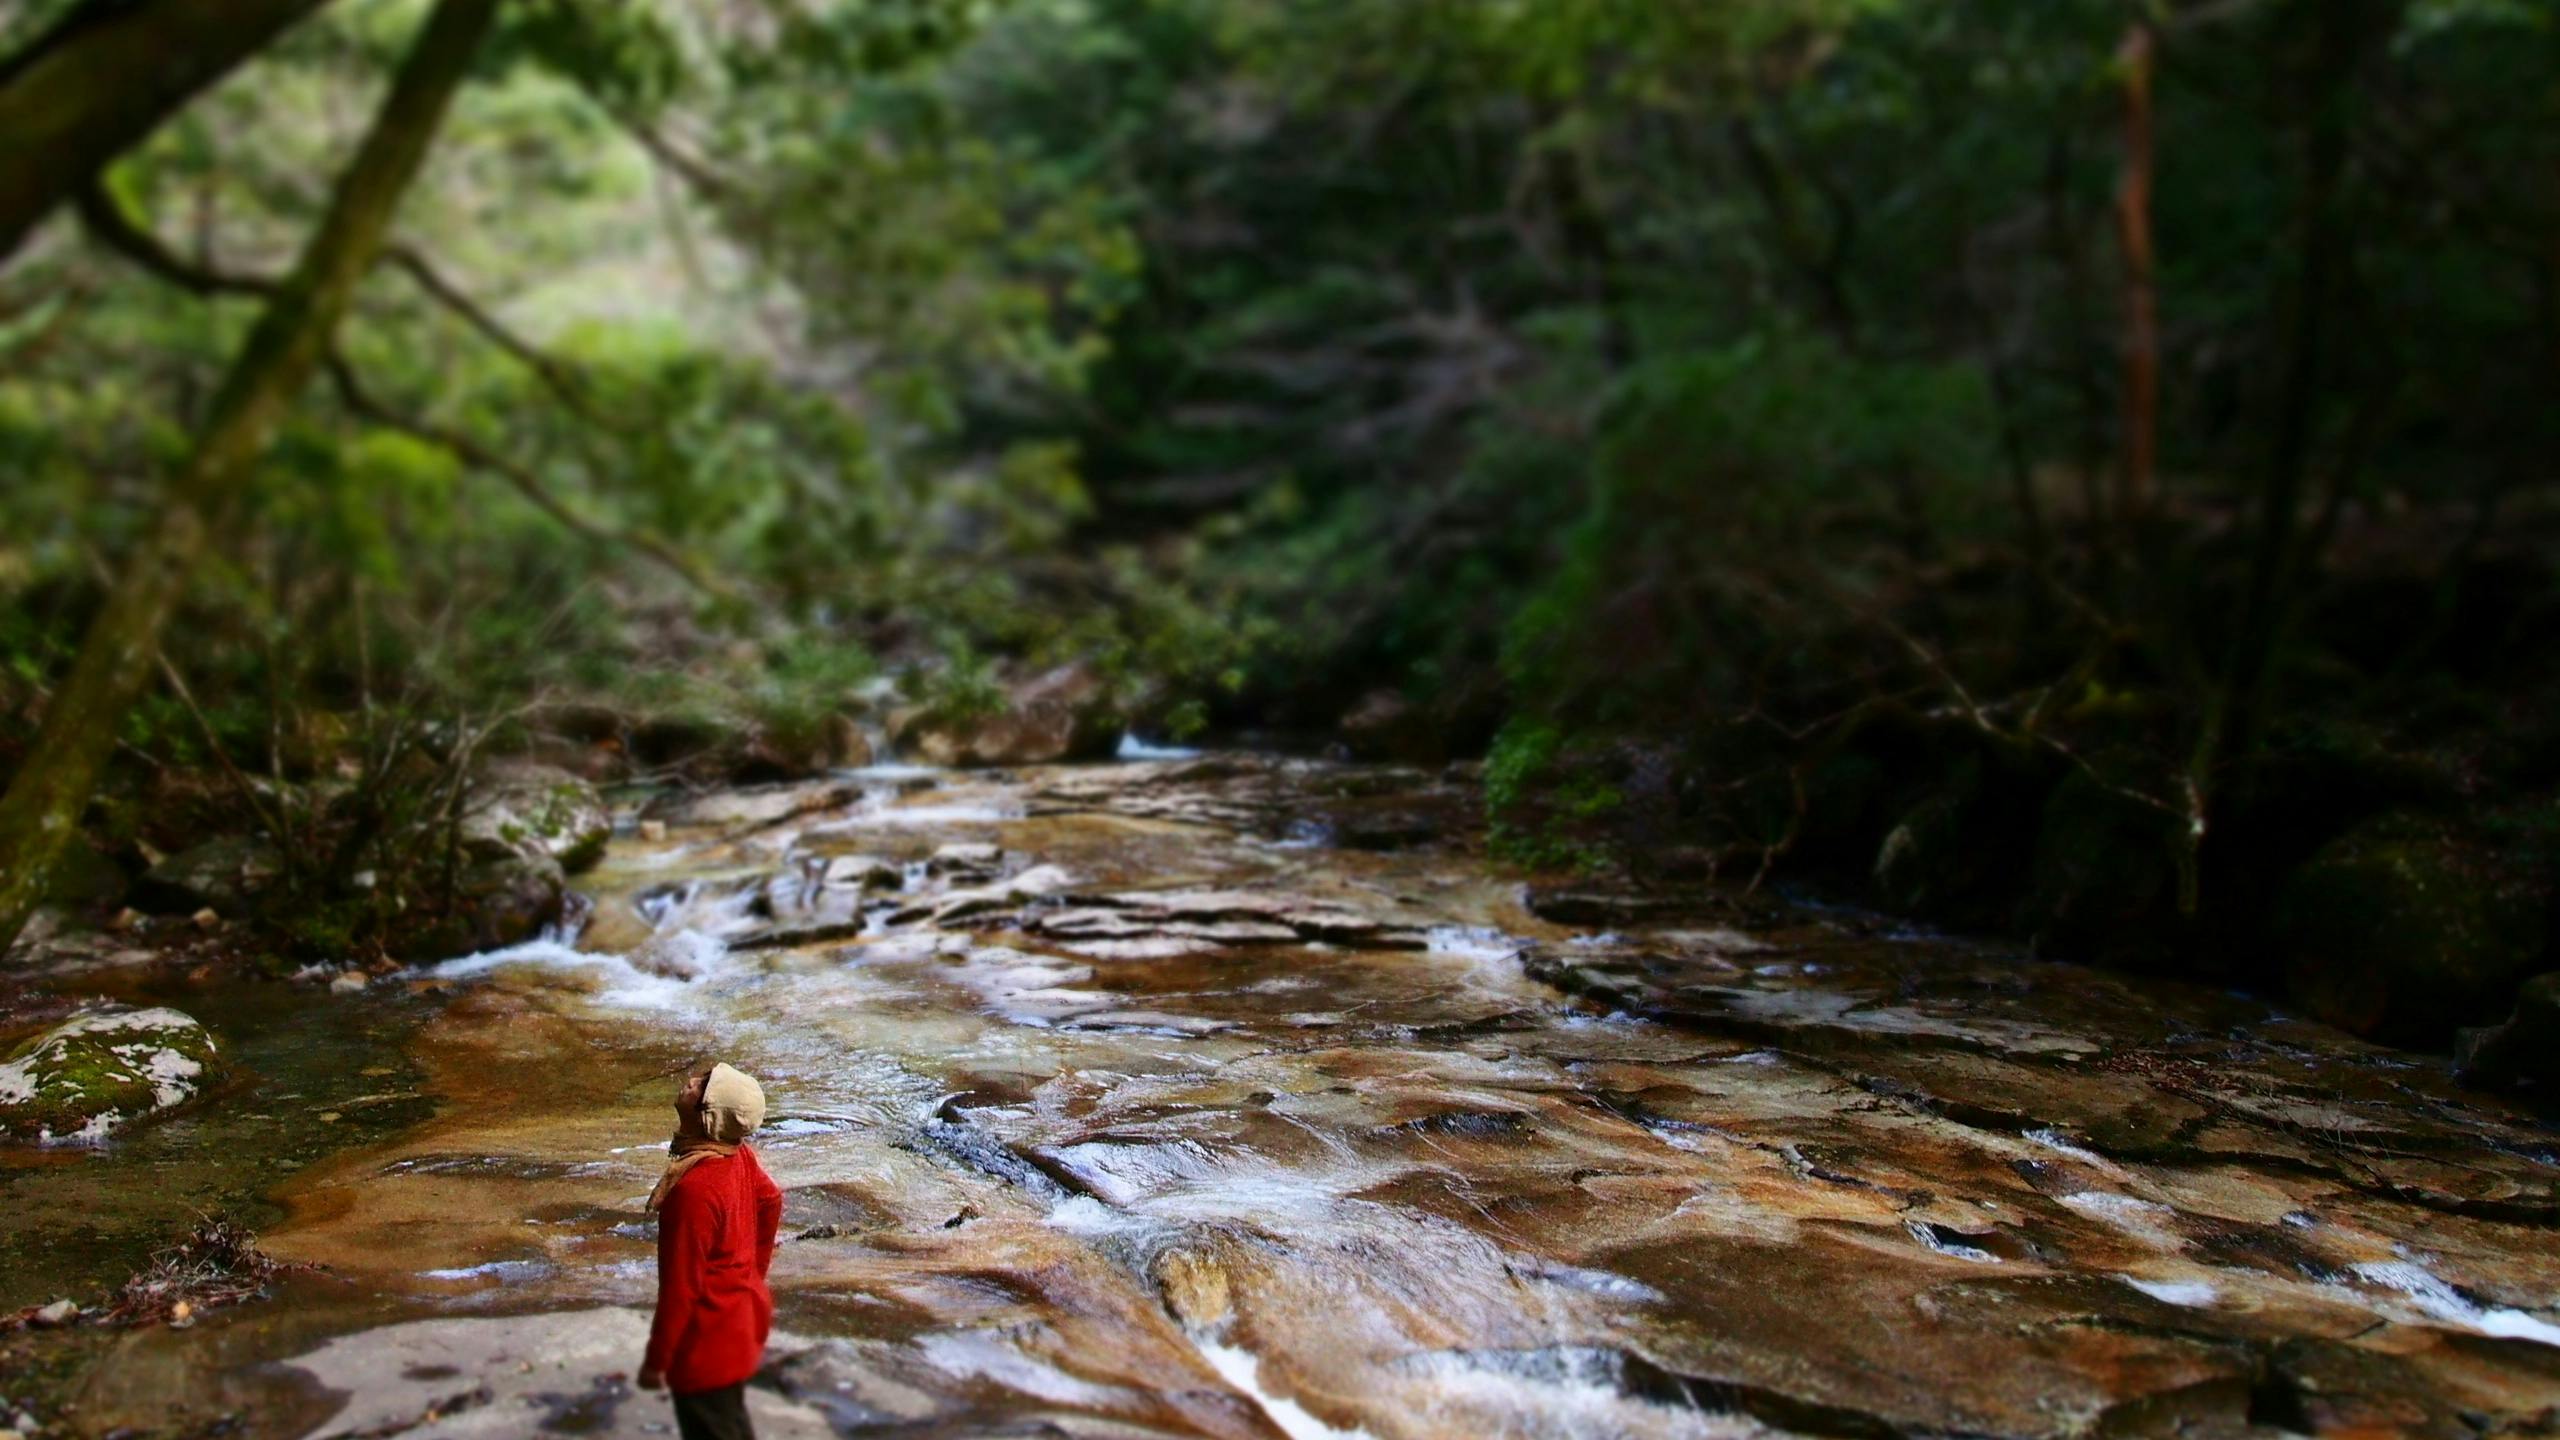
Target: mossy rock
point(496, 903)
point(100, 1071)
point(224, 875)
point(1063, 714)
point(1959, 852)
point(2407, 927)
point(2106, 871)
point(534, 811)
point(2524, 1048)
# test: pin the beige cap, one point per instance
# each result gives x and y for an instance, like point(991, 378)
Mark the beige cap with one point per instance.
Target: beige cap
point(732, 1105)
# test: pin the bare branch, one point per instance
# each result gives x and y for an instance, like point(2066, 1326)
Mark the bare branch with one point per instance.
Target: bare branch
point(111, 226)
point(108, 224)
point(554, 373)
point(364, 406)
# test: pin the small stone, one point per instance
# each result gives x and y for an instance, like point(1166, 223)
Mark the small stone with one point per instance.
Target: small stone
point(60, 1312)
point(125, 919)
point(206, 919)
point(348, 983)
point(965, 856)
point(329, 1117)
point(653, 830)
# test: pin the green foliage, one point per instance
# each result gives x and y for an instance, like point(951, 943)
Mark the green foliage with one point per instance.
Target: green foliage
point(1609, 368)
point(1541, 809)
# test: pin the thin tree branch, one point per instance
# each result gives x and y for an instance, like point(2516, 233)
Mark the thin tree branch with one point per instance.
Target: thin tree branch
point(111, 226)
point(107, 223)
point(362, 404)
point(554, 373)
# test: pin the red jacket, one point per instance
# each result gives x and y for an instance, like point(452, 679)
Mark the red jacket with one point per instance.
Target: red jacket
point(715, 1241)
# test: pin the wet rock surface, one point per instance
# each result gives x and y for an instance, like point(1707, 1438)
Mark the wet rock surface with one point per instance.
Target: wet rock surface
point(1106, 1106)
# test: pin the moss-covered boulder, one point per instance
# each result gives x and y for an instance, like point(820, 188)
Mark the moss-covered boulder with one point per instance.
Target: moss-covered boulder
point(2525, 1047)
point(536, 810)
point(224, 875)
point(2407, 927)
point(2105, 883)
point(495, 904)
point(1962, 850)
point(99, 1071)
point(1063, 714)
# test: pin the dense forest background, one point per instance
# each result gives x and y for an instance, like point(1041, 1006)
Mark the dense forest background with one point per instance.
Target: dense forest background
point(2071, 468)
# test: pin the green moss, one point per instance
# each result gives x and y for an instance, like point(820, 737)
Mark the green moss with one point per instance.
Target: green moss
point(2407, 927)
point(96, 1072)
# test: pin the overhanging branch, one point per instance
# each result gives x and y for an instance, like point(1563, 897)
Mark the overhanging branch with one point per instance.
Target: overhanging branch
point(363, 405)
point(554, 374)
point(107, 222)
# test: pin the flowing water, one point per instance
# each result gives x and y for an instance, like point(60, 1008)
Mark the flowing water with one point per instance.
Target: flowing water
point(1215, 1097)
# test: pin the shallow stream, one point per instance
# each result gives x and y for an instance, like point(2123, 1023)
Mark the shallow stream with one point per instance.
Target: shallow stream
point(1214, 1097)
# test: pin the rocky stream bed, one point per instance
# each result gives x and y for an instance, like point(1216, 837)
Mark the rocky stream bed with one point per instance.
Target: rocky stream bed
point(1219, 1097)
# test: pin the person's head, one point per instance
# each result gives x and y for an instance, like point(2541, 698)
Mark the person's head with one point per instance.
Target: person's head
point(718, 1102)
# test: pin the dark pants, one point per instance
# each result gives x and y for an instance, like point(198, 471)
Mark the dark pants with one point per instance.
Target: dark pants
point(714, 1415)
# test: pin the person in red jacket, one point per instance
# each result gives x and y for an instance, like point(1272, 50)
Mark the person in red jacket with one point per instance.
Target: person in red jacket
point(718, 1214)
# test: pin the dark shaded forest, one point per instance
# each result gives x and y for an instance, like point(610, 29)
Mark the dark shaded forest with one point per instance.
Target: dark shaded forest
point(2067, 469)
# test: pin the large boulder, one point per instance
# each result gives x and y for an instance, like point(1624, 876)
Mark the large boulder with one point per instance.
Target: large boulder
point(2406, 927)
point(2523, 1047)
point(496, 903)
point(2107, 871)
point(774, 752)
point(1063, 714)
point(1387, 726)
point(224, 875)
point(99, 1071)
point(1958, 853)
point(520, 808)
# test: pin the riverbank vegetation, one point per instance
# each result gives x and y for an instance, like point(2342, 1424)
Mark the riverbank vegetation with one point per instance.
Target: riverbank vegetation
point(2065, 468)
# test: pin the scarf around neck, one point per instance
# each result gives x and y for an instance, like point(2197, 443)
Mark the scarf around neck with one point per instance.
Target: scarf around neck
point(683, 1153)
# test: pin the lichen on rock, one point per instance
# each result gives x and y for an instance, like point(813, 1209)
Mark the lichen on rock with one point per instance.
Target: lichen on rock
point(99, 1071)
point(538, 812)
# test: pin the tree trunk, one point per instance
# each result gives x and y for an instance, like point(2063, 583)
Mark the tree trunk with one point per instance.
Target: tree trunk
point(2139, 60)
point(2322, 251)
point(52, 786)
point(104, 77)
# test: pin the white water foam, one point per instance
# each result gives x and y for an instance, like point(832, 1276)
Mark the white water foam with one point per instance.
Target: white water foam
point(1239, 1368)
point(1930, 1239)
point(2193, 1294)
point(1133, 748)
point(614, 979)
point(2143, 1219)
point(2440, 1301)
point(1474, 942)
point(2055, 1141)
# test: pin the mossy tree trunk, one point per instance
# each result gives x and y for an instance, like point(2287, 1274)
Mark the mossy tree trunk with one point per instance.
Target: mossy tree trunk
point(106, 75)
point(52, 786)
